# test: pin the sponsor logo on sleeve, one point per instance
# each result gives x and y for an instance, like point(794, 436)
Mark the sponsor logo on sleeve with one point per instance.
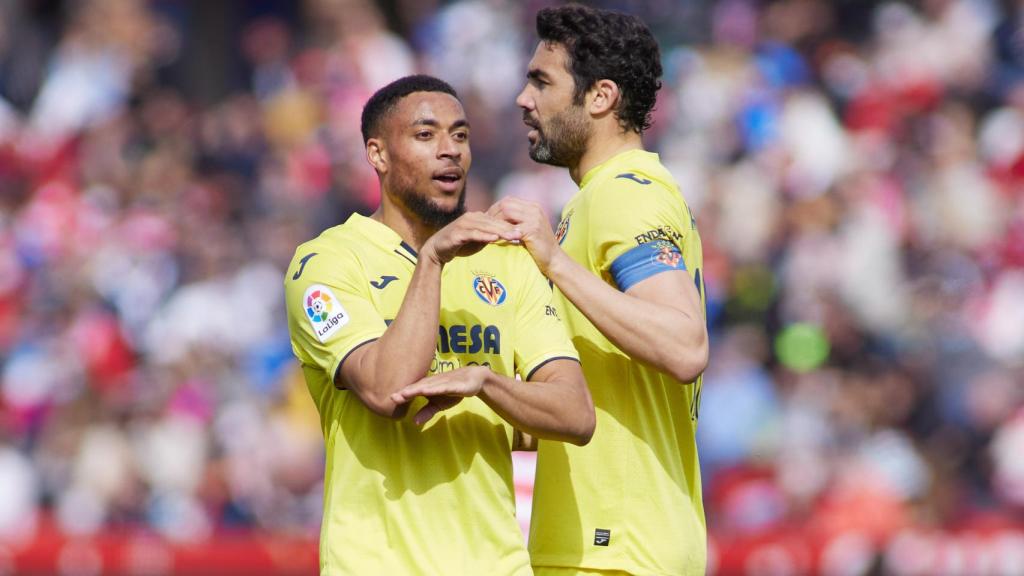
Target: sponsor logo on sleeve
point(302, 265)
point(660, 233)
point(489, 289)
point(634, 178)
point(324, 311)
point(383, 282)
point(602, 537)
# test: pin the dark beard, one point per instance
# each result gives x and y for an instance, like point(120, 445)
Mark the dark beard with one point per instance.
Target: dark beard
point(569, 132)
point(430, 214)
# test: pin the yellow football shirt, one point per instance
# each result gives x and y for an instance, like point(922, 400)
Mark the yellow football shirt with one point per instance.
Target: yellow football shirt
point(400, 499)
point(631, 499)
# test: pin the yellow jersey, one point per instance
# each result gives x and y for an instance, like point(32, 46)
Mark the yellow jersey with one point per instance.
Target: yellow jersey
point(398, 498)
point(630, 500)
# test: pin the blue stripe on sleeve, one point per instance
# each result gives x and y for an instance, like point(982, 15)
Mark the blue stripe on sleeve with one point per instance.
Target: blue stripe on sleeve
point(645, 261)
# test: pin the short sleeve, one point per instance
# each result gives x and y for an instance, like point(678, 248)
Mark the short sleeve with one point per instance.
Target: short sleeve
point(330, 313)
point(541, 335)
point(638, 228)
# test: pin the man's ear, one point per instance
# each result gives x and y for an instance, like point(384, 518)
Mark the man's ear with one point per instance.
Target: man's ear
point(376, 155)
point(603, 97)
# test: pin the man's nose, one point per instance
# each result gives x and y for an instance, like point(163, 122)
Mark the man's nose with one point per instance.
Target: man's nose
point(448, 148)
point(523, 101)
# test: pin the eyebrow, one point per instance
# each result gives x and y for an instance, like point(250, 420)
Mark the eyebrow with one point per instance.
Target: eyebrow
point(460, 123)
point(536, 74)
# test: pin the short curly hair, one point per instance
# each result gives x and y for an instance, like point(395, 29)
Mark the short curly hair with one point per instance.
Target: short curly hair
point(384, 101)
point(612, 45)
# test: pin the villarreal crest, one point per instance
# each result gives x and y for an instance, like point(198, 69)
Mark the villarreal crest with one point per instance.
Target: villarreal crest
point(668, 256)
point(489, 289)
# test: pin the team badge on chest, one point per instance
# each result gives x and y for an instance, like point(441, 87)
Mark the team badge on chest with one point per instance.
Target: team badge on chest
point(488, 289)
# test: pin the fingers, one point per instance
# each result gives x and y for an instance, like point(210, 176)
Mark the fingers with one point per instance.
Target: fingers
point(464, 382)
point(425, 414)
point(434, 406)
point(517, 211)
point(479, 227)
point(468, 234)
point(409, 392)
point(428, 388)
point(490, 225)
point(497, 210)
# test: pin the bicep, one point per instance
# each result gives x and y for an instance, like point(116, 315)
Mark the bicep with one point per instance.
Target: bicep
point(332, 324)
point(561, 370)
point(353, 367)
point(672, 289)
point(570, 400)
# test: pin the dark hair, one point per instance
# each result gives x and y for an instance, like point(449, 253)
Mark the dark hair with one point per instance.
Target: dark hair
point(383, 101)
point(605, 44)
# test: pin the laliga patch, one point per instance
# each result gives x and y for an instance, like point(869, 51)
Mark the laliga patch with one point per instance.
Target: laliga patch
point(488, 289)
point(324, 311)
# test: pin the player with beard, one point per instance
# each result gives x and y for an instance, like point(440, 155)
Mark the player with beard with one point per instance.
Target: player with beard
point(627, 258)
point(417, 309)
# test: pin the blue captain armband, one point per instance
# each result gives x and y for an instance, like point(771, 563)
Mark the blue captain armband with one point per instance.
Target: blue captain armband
point(644, 261)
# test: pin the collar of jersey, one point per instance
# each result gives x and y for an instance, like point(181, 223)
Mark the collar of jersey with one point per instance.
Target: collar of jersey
point(381, 235)
point(614, 160)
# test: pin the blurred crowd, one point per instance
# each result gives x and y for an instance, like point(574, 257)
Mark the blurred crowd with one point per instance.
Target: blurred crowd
point(856, 168)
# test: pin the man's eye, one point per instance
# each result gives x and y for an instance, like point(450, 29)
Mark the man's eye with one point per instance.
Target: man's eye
point(461, 136)
point(423, 135)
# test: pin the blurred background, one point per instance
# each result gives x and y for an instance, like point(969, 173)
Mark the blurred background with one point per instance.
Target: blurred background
point(857, 172)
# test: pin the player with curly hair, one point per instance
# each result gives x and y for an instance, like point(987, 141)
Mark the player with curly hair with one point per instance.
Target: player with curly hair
point(626, 261)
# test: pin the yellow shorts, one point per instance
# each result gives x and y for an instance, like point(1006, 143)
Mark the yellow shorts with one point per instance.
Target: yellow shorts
point(560, 571)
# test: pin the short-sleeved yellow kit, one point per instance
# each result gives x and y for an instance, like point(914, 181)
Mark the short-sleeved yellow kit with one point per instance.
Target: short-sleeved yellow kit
point(398, 498)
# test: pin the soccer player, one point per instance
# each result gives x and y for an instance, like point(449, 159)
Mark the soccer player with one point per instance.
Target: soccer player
point(627, 256)
point(376, 304)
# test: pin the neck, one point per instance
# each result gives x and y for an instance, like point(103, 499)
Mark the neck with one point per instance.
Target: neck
point(409, 228)
point(602, 145)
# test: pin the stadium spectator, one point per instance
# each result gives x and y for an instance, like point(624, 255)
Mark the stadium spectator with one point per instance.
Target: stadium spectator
point(856, 170)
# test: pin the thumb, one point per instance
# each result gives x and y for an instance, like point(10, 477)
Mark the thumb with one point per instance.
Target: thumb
point(426, 413)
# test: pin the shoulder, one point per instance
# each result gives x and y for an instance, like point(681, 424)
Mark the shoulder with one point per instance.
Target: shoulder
point(509, 264)
point(628, 185)
point(331, 250)
point(510, 258)
point(627, 196)
point(502, 261)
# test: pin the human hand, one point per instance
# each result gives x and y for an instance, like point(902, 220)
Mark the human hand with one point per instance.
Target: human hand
point(443, 390)
point(532, 222)
point(467, 235)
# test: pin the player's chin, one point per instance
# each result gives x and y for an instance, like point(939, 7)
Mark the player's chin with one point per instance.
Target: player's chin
point(540, 152)
point(448, 202)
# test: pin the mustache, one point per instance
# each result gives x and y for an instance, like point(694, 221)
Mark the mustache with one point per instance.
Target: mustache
point(529, 121)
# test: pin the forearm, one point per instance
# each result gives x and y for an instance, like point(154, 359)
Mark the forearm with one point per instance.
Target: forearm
point(662, 336)
point(404, 353)
point(559, 409)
